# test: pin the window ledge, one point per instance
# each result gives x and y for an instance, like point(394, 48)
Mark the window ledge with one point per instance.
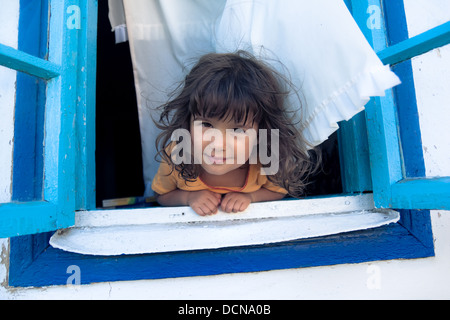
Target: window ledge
point(156, 230)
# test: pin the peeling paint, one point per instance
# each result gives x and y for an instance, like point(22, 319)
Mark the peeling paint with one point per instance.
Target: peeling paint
point(4, 262)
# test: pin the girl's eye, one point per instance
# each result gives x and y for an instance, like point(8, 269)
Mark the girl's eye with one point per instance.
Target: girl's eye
point(207, 125)
point(238, 130)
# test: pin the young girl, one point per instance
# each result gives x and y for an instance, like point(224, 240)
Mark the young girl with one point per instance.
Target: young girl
point(231, 95)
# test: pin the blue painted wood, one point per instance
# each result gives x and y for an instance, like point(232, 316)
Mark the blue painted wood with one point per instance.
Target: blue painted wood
point(29, 248)
point(354, 155)
point(385, 155)
point(85, 119)
point(408, 118)
point(348, 3)
point(384, 152)
point(41, 96)
point(60, 149)
point(420, 44)
point(21, 61)
point(29, 110)
point(417, 222)
point(432, 193)
point(395, 21)
point(422, 193)
point(376, 36)
point(29, 217)
point(60, 130)
point(391, 242)
point(28, 141)
point(26, 218)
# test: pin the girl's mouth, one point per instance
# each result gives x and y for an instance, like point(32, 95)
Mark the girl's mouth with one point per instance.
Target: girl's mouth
point(215, 160)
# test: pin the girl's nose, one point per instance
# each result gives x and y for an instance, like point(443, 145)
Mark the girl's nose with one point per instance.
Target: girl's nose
point(225, 142)
point(215, 139)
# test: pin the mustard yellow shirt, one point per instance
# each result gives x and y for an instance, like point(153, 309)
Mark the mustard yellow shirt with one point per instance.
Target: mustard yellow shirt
point(167, 180)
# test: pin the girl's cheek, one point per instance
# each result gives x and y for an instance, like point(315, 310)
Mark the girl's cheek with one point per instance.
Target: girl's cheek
point(251, 143)
point(244, 145)
point(197, 147)
point(197, 136)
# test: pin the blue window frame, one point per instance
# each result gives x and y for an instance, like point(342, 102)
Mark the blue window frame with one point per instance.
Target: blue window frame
point(397, 184)
point(34, 263)
point(43, 195)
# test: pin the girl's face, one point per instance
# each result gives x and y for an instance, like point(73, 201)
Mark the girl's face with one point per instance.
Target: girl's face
point(221, 146)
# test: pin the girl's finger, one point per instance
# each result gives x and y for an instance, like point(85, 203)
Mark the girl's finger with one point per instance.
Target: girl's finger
point(236, 206)
point(199, 211)
point(243, 206)
point(224, 203)
point(209, 206)
point(216, 199)
point(230, 205)
point(218, 196)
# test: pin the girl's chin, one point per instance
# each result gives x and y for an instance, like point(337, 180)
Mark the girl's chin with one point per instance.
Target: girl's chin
point(219, 169)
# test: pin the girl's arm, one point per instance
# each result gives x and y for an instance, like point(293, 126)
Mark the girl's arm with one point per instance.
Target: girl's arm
point(264, 194)
point(173, 198)
point(237, 201)
point(203, 202)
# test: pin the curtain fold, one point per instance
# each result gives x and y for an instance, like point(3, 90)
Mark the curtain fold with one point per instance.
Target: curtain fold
point(317, 44)
point(118, 20)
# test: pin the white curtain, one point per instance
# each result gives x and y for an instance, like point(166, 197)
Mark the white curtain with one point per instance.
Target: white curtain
point(318, 43)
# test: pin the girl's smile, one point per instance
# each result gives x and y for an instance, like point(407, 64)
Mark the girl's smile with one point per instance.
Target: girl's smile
point(221, 146)
point(216, 160)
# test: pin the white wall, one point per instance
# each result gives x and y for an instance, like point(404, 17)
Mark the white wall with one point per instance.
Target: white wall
point(431, 78)
point(395, 279)
point(9, 17)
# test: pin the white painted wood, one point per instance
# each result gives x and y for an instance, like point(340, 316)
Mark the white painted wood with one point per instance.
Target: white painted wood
point(169, 237)
point(155, 230)
point(276, 209)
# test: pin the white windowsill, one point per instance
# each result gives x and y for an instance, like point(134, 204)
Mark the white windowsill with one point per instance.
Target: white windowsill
point(168, 229)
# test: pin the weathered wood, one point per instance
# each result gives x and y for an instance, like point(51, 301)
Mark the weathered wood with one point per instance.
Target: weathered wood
point(23, 62)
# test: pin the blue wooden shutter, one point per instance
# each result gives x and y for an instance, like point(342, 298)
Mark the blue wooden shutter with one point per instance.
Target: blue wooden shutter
point(68, 91)
point(391, 185)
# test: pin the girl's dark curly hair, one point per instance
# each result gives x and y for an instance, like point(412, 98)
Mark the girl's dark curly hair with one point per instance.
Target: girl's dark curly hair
point(238, 85)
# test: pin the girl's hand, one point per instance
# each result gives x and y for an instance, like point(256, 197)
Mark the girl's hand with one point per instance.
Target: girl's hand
point(235, 202)
point(204, 202)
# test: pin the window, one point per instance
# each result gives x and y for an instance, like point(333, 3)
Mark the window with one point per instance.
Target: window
point(53, 52)
point(53, 205)
point(34, 262)
point(397, 186)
